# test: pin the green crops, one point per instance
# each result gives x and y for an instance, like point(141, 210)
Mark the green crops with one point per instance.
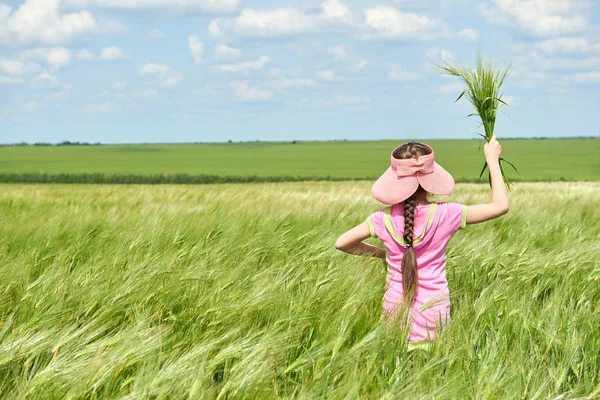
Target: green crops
point(236, 291)
point(483, 91)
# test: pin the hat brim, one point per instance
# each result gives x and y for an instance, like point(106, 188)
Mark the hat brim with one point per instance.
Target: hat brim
point(392, 189)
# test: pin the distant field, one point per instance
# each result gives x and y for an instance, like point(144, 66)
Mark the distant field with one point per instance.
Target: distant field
point(537, 160)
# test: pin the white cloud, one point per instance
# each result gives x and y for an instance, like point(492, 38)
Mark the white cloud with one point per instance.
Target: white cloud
point(361, 65)
point(385, 22)
point(61, 94)
point(281, 22)
point(31, 106)
point(224, 52)
point(56, 58)
point(196, 48)
point(540, 18)
point(352, 100)
point(47, 81)
point(349, 101)
point(106, 26)
point(197, 7)
point(243, 92)
point(468, 35)
point(585, 77)
point(10, 80)
point(154, 35)
point(339, 53)
point(328, 75)
point(335, 9)
point(294, 82)
point(85, 55)
point(120, 85)
point(436, 56)
point(567, 45)
point(41, 21)
point(113, 53)
point(96, 108)
point(509, 100)
point(578, 78)
point(454, 88)
point(246, 66)
point(17, 67)
point(146, 94)
point(163, 74)
point(399, 73)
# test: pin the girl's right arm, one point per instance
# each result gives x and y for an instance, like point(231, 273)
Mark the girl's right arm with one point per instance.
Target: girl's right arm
point(499, 203)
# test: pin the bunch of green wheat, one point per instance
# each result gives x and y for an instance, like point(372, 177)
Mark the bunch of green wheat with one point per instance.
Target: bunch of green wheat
point(483, 91)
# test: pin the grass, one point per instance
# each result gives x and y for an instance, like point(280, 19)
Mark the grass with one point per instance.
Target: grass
point(537, 160)
point(235, 291)
point(483, 86)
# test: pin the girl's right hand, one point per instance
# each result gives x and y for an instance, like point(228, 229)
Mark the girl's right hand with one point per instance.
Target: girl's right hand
point(492, 149)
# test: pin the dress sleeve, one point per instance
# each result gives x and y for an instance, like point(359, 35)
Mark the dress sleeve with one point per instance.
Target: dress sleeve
point(376, 224)
point(456, 216)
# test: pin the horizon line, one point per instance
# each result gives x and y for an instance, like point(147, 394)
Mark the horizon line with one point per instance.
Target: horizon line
point(293, 141)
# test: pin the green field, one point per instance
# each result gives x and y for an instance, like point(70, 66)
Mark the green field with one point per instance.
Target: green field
point(537, 160)
point(236, 291)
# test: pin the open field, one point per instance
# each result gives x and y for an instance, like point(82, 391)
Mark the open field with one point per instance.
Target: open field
point(222, 291)
point(537, 160)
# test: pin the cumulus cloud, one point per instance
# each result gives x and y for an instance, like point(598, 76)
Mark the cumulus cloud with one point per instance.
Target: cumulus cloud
point(567, 46)
point(294, 83)
point(42, 22)
point(120, 85)
point(539, 18)
point(10, 80)
point(85, 55)
point(328, 75)
point(224, 52)
point(154, 35)
point(17, 68)
point(56, 58)
point(437, 56)
point(196, 48)
point(397, 72)
point(243, 92)
point(163, 75)
point(145, 94)
point(584, 77)
point(361, 65)
point(281, 22)
point(351, 102)
point(246, 66)
point(113, 53)
point(97, 108)
point(339, 53)
point(383, 22)
point(48, 81)
point(468, 35)
point(197, 7)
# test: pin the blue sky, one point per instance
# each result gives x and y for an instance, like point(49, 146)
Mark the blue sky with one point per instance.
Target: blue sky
point(116, 71)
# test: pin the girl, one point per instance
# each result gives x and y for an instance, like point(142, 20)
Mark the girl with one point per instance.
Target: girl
point(415, 233)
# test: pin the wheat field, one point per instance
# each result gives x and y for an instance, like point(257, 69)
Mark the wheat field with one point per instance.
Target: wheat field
point(236, 291)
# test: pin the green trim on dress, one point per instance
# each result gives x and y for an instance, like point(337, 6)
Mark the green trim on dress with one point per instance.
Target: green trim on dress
point(387, 218)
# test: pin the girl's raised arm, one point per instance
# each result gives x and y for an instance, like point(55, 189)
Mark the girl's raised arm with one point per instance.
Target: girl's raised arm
point(499, 203)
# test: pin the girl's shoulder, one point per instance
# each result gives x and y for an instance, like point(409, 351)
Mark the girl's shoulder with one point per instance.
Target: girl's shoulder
point(451, 216)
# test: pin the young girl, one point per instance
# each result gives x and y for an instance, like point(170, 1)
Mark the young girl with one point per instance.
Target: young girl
point(415, 233)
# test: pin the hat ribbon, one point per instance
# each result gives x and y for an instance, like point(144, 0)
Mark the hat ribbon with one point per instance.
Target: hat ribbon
point(411, 166)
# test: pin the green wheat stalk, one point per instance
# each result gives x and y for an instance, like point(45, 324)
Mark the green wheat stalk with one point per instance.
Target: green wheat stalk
point(483, 92)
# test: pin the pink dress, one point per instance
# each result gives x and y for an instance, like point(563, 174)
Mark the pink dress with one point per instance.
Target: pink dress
point(434, 226)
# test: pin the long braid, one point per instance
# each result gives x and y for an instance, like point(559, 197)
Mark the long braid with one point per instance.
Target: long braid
point(410, 277)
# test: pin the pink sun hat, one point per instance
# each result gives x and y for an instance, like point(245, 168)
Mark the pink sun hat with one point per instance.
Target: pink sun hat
point(403, 178)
